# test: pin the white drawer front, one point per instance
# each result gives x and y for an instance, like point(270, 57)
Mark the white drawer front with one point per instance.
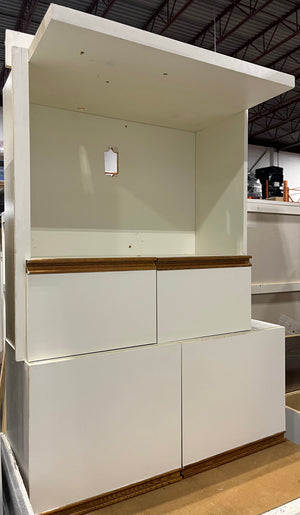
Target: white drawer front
point(101, 422)
point(87, 312)
point(195, 303)
point(233, 391)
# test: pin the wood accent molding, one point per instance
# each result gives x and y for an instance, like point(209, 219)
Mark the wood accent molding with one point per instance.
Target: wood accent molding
point(122, 264)
point(142, 487)
point(96, 503)
point(81, 265)
point(192, 262)
point(233, 454)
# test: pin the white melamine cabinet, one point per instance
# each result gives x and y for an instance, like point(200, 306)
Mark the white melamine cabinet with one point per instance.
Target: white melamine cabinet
point(87, 312)
point(233, 390)
point(193, 303)
point(95, 263)
point(98, 422)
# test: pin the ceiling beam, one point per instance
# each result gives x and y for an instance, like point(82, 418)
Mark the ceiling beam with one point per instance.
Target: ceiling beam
point(203, 32)
point(25, 15)
point(174, 18)
point(261, 36)
point(277, 45)
point(157, 13)
point(267, 128)
point(286, 147)
point(253, 11)
point(287, 134)
point(276, 107)
point(108, 8)
point(284, 58)
point(93, 7)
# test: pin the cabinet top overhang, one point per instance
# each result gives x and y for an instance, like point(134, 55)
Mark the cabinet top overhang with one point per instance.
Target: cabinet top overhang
point(83, 62)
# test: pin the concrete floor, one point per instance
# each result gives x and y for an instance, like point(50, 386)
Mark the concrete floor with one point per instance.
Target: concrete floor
point(249, 486)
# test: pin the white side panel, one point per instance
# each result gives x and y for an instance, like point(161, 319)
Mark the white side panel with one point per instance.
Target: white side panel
point(233, 391)
point(9, 207)
point(20, 85)
point(244, 193)
point(15, 39)
point(123, 215)
point(79, 313)
point(98, 423)
point(17, 405)
point(221, 159)
point(194, 303)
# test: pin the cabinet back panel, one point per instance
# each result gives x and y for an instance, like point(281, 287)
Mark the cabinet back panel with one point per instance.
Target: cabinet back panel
point(153, 193)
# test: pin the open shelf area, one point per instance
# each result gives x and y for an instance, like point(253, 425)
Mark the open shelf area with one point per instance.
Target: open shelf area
point(176, 116)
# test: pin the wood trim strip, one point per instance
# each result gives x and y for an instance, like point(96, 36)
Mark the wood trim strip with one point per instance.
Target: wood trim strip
point(192, 262)
point(81, 265)
point(122, 494)
point(233, 454)
point(96, 503)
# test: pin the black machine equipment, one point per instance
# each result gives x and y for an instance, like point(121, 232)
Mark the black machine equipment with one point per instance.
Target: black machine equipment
point(274, 176)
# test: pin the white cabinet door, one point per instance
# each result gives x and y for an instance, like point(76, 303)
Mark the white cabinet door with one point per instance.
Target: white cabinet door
point(77, 313)
point(103, 421)
point(233, 391)
point(195, 303)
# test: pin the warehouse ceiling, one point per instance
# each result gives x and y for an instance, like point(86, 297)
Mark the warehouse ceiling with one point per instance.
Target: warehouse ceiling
point(266, 32)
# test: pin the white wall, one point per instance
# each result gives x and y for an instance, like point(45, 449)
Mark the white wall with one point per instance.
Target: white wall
point(289, 161)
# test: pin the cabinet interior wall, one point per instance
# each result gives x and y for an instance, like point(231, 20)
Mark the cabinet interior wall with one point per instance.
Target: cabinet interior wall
point(169, 198)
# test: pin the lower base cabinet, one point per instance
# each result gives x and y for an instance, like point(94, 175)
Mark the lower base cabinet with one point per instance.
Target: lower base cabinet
point(96, 423)
point(233, 390)
point(86, 425)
